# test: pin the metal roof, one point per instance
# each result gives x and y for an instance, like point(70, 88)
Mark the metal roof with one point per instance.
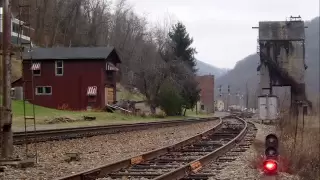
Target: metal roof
point(67, 53)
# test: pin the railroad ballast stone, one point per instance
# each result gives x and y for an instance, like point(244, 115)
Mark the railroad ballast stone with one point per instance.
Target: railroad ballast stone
point(72, 157)
point(242, 167)
point(99, 150)
point(25, 163)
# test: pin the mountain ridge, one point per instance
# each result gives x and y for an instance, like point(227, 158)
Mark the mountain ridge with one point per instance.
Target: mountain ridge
point(206, 69)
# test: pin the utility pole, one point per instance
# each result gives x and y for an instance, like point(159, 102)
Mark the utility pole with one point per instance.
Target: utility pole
point(238, 97)
point(6, 115)
point(228, 97)
point(247, 95)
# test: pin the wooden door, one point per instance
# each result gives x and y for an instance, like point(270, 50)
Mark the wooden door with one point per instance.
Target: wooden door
point(105, 95)
point(110, 95)
point(108, 92)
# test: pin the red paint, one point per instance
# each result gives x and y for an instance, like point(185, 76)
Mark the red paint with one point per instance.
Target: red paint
point(17, 83)
point(70, 90)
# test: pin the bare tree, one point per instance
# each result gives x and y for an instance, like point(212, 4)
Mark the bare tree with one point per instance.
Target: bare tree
point(147, 59)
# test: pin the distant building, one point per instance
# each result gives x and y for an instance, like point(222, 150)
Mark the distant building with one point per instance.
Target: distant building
point(74, 78)
point(219, 105)
point(206, 84)
point(26, 31)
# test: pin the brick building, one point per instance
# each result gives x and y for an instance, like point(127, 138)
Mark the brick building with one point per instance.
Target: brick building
point(206, 84)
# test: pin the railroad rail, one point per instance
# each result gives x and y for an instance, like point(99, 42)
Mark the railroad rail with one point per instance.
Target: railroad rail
point(175, 161)
point(213, 169)
point(70, 133)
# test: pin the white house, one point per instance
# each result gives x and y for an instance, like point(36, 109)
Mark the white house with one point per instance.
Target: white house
point(15, 29)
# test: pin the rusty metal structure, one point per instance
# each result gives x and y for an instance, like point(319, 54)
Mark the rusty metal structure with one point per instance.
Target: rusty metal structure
point(281, 46)
point(28, 108)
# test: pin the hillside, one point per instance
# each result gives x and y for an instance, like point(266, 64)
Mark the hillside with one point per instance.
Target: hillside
point(16, 70)
point(246, 69)
point(205, 69)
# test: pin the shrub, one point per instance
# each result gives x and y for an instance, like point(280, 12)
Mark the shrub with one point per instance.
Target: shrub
point(300, 146)
point(170, 100)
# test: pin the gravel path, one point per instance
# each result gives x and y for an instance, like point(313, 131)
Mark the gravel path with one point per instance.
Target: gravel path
point(243, 167)
point(99, 150)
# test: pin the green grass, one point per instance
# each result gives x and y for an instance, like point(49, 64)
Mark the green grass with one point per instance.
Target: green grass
point(43, 113)
point(102, 118)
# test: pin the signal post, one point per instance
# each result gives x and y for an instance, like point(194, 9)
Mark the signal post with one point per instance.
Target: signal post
point(271, 159)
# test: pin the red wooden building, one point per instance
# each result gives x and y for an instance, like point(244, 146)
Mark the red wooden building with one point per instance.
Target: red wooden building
point(73, 78)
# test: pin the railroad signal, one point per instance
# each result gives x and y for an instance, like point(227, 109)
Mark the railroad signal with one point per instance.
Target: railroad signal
point(271, 145)
point(270, 164)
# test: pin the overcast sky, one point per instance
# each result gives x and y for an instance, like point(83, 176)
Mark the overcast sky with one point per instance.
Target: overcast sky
point(222, 28)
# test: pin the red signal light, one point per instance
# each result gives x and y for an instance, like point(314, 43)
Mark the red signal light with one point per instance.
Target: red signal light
point(270, 166)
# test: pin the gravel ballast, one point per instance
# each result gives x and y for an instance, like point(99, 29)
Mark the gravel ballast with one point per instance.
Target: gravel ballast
point(243, 166)
point(99, 150)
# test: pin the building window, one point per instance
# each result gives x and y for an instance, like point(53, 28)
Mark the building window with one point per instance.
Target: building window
point(59, 68)
point(110, 76)
point(43, 90)
point(25, 31)
point(37, 72)
point(15, 28)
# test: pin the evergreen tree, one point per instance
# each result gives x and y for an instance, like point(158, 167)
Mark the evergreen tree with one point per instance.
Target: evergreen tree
point(181, 43)
point(190, 94)
point(183, 53)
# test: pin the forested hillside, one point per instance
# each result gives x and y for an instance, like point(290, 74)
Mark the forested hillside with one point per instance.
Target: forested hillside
point(141, 45)
point(205, 69)
point(246, 69)
point(155, 57)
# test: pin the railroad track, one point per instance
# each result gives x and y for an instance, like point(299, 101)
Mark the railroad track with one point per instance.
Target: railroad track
point(70, 133)
point(176, 161)
point(213, 169)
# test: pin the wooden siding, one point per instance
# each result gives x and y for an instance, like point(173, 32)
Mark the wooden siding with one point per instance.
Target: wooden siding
point(69, 90)
point(17, 83)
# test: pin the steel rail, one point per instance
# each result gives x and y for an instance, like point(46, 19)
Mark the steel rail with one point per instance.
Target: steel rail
point(190, 168)
point(106, 169)
point(69, 133)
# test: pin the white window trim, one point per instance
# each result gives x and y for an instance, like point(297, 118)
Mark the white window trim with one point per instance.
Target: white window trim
point(56, 68)
point(43, 88)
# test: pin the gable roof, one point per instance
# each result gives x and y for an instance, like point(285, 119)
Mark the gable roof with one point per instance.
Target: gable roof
point(65, 53)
